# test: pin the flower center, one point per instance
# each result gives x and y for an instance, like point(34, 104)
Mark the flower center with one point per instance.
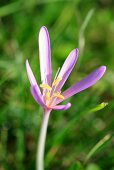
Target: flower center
point(50, 93)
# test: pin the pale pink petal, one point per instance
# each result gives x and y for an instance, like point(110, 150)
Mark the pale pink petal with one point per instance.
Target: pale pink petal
point(45, 56)
point(88, 81)
point(61, 107)
point(31, 76)
point(36, 96)
point(67, 68)
point(34, 86)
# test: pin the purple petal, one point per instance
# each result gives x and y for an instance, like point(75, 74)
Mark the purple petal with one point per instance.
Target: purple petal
point(67, 67)
point(61, 107)
point(88, 81)
point(31, 76)
point(45, 56)
point(34, 86)
point(36, 96)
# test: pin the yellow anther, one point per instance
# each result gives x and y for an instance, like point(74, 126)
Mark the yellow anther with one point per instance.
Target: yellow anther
point(48, 96)
point(58, 95)
point(45, 86)
point(56, 81)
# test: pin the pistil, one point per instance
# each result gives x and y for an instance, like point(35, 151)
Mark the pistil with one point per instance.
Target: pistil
point(50, 93)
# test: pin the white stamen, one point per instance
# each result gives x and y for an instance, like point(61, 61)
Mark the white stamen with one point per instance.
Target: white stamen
point(57, 73)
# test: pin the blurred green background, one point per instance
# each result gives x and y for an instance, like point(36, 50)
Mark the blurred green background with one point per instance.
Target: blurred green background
point(79, 138)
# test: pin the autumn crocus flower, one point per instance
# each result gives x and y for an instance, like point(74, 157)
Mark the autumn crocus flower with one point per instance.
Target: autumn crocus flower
point(51, 94)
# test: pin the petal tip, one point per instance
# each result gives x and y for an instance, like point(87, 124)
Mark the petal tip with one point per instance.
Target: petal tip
point(74, 53)
point(77, 51)
point(68, 105)
point(27, 65)
point(102, 69)
point(43, 28)
point(26, 62)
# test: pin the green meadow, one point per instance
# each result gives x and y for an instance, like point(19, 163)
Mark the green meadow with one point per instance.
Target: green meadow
point(82, 137)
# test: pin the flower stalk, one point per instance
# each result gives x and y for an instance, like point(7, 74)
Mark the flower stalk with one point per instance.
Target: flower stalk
point(41, 141)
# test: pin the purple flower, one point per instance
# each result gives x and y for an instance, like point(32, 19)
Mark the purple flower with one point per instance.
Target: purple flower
point(51, 94)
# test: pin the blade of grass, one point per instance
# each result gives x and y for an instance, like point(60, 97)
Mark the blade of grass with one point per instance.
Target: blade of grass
point(98, 146)
point(98, 107)
point(83, 27)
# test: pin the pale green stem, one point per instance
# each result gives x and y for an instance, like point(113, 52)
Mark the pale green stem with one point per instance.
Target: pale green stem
point(41, 142)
